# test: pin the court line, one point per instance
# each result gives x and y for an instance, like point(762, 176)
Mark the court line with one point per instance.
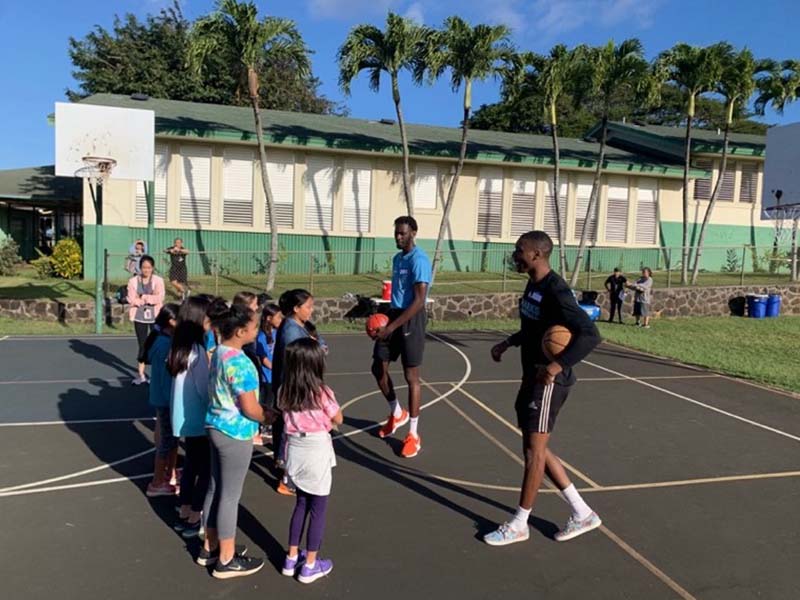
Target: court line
point(76, 422)
point(627, 548)
point(698, 403)
point(4, 338)
point(73, 486)
point(699, 481)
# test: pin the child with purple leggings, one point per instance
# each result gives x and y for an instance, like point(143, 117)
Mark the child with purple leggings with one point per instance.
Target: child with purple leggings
point(309, 413)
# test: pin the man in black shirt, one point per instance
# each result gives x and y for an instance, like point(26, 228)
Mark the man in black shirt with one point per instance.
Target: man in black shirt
point(615, 286)
point(547, 301)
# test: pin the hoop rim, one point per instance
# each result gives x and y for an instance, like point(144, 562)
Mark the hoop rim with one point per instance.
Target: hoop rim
point(96, 167)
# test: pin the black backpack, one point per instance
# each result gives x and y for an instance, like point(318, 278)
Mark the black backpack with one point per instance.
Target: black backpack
point(122, 294)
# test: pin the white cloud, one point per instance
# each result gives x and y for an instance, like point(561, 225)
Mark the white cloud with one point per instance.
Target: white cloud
point(414, 12)
point(555, 17)
point(349, 10)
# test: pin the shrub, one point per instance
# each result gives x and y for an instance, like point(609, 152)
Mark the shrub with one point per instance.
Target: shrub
point(67, 259)
point(43, 265)
point(9, 257)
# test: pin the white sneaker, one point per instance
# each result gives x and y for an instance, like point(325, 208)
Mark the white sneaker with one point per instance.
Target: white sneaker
point(574, 527)
point(139, 380)
point(505, 535)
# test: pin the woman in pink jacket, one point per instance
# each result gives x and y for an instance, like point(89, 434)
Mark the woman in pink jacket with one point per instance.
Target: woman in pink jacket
point(145, 296)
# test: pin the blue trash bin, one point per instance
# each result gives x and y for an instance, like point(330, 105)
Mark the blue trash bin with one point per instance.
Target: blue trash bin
point(773, 305)
point(592, 310)
point(757, 306)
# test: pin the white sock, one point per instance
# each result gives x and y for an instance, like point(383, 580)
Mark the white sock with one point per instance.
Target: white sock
point(396, 409)
point(310, 565)
point(520, 520)
point(413, 428)
point(580, 509)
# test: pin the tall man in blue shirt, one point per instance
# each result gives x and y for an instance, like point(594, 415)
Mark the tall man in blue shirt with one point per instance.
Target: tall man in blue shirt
point(404, 336)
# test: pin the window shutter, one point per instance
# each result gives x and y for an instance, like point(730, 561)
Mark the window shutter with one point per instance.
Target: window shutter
point(280, 171)
point(425, 186)
point(582, 196)
point(319, 194)
point(617, 211)
point(647, 212)
point(237, 181)
point(702, 187)
point(550, 223)
point(523, 204)
point(357, 181)
point(749, 182)
point(161, 166)
point(196, 186)
point(490, 203)
point(728, 183)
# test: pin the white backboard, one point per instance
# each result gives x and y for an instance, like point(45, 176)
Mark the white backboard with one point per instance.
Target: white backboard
point(125, 134)
point(780, 197)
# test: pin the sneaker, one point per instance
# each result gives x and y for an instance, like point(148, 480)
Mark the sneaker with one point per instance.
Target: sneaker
point(139, 380)
point(258, 440)
point(393, 424)
point(239, 566)
point(191, 530)
point(574, 527)
point(290, 565)
point(320, 569)
point(176, 477)
point(165, 489)
point(286, 488)
point(411, 446)
point(505, 535)
point(206, 558)
point(645, 326)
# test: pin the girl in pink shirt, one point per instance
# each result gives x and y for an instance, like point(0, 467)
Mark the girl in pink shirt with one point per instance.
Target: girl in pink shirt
point(309, 411)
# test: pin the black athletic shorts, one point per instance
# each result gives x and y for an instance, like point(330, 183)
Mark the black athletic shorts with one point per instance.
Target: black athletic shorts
point(538, 405)
point(407, 342)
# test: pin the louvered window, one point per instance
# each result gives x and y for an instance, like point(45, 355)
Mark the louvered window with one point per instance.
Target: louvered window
point(749, 188)
point(319, 194)
point(490, 203)
point(280, 171)
point(425, 186)
point(728, 182)
point(357, 196)
point(523, 204)
point(647, 212)
point(161, 165)
point(196, 186)
point(550, 219)
point(582, 196)
point(617, 210)
point(702, 187)
point(237, 182)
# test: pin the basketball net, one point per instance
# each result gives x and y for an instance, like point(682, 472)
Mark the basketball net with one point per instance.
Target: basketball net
point(97, 169)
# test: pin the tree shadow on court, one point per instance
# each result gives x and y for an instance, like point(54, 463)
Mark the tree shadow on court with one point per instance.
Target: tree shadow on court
point(415, 481)
point(98, 354)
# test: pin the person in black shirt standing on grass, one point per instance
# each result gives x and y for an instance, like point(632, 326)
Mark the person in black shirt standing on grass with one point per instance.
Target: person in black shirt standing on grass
point(615, 286)
point(547, 301)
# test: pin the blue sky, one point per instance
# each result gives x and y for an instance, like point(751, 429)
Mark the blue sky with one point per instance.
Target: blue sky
point(37, 69)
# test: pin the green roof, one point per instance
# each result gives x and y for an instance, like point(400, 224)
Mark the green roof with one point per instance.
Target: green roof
point(220, 123)
point(39, 185)
point(667, 143)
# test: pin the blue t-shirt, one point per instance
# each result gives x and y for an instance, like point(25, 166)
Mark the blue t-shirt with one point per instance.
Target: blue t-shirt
point(190, 396)
point(408, 270)
point(232, 374)
point(160, 379)
point(211, 340)
point(265, 349)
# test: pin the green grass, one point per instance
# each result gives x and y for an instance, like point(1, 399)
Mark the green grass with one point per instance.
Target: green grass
point(763, 350)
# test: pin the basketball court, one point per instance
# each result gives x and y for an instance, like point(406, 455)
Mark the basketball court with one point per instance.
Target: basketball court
point(693, 474)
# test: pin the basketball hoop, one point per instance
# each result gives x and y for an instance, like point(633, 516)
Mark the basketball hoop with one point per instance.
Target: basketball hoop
point(96, 169)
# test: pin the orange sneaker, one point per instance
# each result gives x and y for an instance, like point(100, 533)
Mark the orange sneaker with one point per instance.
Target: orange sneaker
point(393, 424)
point(411, 446)
point(286, 490)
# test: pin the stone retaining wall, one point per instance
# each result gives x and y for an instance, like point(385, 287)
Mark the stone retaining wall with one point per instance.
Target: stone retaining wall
point(675, 302)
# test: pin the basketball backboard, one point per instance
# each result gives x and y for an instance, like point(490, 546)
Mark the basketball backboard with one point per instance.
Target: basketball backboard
point(126, 135)
point(780, 196)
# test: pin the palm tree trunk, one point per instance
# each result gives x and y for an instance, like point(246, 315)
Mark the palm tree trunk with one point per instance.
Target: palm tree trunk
point(698, 251)
point(262, 156)
point(562, 248)
point(573, 280)
point(687, 157)
point(451, 193)
point(404, 142)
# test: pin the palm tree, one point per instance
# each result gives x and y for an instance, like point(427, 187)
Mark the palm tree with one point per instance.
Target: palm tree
point(606, 73)
point(694, 71)
point(736, 85)
point(779, 88)
point(234, 28)
point(367, 48)
point(471, 54)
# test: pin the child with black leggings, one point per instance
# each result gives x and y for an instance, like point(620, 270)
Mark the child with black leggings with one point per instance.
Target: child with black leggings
point(309, 413)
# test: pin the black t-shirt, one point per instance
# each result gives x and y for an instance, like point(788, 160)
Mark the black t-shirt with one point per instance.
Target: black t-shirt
point(615, 285)
point(546, 303)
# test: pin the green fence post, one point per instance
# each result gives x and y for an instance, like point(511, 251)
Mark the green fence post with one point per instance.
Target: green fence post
point(505, 271)
point(216, 278)
point(744, 258)
point(669, 268)
point(589, 269)
point(311, 273)
point(105, 273)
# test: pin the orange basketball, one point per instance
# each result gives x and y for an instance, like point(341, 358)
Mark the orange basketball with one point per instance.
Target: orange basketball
point(555, 339)
point(375, 322)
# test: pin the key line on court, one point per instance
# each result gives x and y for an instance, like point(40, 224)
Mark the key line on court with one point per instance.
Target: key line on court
point(622, 544)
